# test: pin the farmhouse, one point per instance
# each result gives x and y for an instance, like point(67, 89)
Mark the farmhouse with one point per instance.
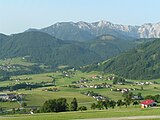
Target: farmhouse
point(148, 103)
point(11, 97)
point(4, 97)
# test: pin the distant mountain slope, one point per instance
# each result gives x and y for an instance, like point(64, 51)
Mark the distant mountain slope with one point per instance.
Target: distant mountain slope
point(68, 31)
point(3, 39)
point(44, 48)
point(86, 31)
point(25, 43)
point(40, 47)
point(142, 62)
point(108, 45)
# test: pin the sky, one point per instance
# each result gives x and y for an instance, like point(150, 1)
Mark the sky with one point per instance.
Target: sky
point(19, 15)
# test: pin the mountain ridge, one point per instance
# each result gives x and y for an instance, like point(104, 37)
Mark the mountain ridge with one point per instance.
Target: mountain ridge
point(87, 31)
point(44, 48)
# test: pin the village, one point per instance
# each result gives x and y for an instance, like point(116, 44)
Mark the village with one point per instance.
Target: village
point(11, 97)
point(115, 84)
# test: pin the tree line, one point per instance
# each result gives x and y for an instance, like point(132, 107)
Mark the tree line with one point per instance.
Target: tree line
point(141, 62)
point(61, 105)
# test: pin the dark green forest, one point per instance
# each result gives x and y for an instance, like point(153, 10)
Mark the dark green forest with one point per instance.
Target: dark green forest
point(41, 47)
point(142, 62)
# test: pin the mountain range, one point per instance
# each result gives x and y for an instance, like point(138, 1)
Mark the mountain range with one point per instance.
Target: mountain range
point(87, 31)
point(128, 51)
point(40, 47)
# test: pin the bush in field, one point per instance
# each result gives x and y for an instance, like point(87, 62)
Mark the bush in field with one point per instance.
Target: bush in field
point(135, 103)
point(24, 104)
point(120, 103)
point(100, 105)
point(93, 106)
point(82, 108)
point(112, 104)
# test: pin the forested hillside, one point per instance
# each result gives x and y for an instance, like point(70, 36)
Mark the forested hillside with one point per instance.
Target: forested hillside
point(43, 48)
point(108, 45)
point(142, 62)
point(39, 47)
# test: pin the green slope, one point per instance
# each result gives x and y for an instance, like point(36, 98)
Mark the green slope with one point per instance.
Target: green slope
point(43, 48)
point(108, 46)
point(142, 62)
point(3, 39)
point(39, 47)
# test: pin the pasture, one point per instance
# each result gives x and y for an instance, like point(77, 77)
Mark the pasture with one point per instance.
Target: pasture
point(118, 112)
point(36, 97)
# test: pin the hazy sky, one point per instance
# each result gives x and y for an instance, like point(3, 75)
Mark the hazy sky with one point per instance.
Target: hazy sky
point(19, 15)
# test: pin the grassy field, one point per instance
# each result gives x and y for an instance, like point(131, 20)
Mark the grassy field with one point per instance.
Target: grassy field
point(118, 112)
point(13, 61)
point(36, 97)
point(9, 105)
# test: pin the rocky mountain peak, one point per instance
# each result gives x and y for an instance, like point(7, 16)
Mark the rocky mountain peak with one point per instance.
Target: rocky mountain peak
point(85, 31)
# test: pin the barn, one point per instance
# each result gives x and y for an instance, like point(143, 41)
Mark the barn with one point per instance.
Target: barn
point(148, 103)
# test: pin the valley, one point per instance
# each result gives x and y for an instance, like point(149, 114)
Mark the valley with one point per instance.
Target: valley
point(102, 76)
point(34, 45)
point(71, 84)
point(79, 60)
point(29, 78)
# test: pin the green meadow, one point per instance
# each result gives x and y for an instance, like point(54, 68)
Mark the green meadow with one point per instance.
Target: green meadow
point(36, 97)
point(118, 112)
point(15, 61)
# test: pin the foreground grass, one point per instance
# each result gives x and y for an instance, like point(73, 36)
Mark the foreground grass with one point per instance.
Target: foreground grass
point(118, 112)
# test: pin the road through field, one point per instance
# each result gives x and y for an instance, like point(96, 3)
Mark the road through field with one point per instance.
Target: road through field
point(127, 118)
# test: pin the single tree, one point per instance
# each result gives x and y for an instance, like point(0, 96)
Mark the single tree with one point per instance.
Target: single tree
point(112, 104)
point(13, 111)
point(135, 103)
point(120, 103)
point(106, 103)
point(100, 105)
point(61, 105)
point(139, 96)
point(127, 102)
point(142, 87)
point(49, 106)
point(74, 104)
point(23, 104)
point(93, 106)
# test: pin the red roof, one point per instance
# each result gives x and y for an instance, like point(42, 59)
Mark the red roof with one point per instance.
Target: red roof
point(147, 102)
